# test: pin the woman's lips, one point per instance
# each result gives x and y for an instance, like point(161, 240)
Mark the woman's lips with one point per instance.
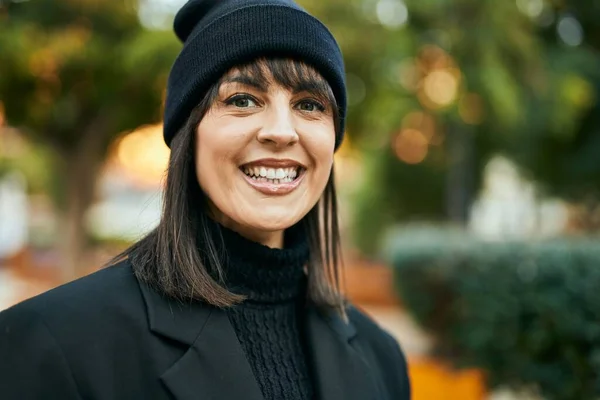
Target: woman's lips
point(274, 189)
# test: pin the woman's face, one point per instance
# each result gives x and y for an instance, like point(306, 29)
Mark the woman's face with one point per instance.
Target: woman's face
point(264, 154)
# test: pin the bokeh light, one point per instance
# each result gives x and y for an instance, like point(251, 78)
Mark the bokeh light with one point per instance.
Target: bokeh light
point(392, 13)
point(441, 88)
point(421, 121)
point(411, 146)
point(570, 31)
point(440, 78)
point(531, 8)
point(433, 57)
point(143, 154)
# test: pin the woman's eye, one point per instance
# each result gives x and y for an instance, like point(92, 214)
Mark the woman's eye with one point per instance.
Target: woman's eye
point(310, 106)
point(241, 101)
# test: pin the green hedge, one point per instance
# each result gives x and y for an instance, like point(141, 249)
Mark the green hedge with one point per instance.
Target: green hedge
point(526, 313)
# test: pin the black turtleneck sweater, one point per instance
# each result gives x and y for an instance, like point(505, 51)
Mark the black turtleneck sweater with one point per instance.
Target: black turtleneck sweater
point(269, 324)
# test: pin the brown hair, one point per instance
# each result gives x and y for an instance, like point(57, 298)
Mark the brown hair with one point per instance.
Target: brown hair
point(168, 258)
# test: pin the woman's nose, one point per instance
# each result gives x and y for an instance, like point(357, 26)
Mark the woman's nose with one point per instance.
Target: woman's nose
point(278, 129)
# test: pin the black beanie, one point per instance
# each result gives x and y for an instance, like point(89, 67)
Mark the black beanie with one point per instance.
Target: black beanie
point(217, 35)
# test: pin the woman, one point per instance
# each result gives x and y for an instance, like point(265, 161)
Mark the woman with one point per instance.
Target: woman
point(235, 294)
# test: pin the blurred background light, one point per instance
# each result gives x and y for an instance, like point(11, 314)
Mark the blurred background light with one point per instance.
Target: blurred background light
point(411, 146)
point(392, 13)
point(531, 8)
point(150, 164)
point(157, 14)
point(570, 31)
point(421, 121)
point(441, 88)
point(432, 57)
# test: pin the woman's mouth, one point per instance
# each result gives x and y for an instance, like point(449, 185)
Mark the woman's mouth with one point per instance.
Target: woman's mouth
point(272, 175)
point(269, 179)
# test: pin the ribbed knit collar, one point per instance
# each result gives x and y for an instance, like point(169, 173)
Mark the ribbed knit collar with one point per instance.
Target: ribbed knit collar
point(263, 274)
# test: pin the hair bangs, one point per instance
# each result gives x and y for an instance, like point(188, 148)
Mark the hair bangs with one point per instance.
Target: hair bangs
point(293, 75)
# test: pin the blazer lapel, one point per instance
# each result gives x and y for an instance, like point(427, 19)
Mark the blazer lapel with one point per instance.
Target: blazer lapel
point(340, 371)
point(214, 366)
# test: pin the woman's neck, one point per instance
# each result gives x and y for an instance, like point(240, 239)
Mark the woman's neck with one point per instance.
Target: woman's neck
point(263, 274)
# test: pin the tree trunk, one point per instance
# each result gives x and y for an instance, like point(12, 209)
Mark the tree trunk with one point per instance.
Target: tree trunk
point(80, 167)
point(460, 174)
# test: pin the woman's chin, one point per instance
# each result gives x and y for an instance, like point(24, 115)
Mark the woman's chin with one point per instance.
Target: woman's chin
point(270, 222)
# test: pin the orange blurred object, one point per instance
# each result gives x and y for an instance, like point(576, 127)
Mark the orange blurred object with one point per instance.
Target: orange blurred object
point(432, 380)
point(370, 285)
point(411, 146)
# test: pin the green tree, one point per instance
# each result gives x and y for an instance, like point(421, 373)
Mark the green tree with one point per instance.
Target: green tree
point(564, 158)
point(75, 74)
point(519, 91)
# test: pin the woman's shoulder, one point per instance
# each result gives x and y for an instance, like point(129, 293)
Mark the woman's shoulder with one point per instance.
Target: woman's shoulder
point(75, 334)
point(385, 351)
point(377, 339)
point(368, 328)
point(78, 302)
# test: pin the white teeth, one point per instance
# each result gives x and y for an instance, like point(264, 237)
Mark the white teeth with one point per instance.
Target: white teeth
point(270, 174)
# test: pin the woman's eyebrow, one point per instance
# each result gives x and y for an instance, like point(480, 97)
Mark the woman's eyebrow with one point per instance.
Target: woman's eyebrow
point(247, 80)
point(312, 86)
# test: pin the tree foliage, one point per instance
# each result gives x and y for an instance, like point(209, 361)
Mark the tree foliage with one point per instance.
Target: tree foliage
point(520, 91)
point(74, 75)
point(68, 64)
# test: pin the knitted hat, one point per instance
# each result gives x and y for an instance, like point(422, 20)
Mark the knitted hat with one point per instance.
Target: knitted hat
point(217, 35)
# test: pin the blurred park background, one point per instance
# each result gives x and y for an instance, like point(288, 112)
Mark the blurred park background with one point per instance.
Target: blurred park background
point(469, 181)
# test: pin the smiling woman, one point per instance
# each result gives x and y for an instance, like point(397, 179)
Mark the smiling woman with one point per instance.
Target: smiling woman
point(235, 294)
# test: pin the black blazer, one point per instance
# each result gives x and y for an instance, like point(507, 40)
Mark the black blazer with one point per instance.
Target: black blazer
point(109, 337)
